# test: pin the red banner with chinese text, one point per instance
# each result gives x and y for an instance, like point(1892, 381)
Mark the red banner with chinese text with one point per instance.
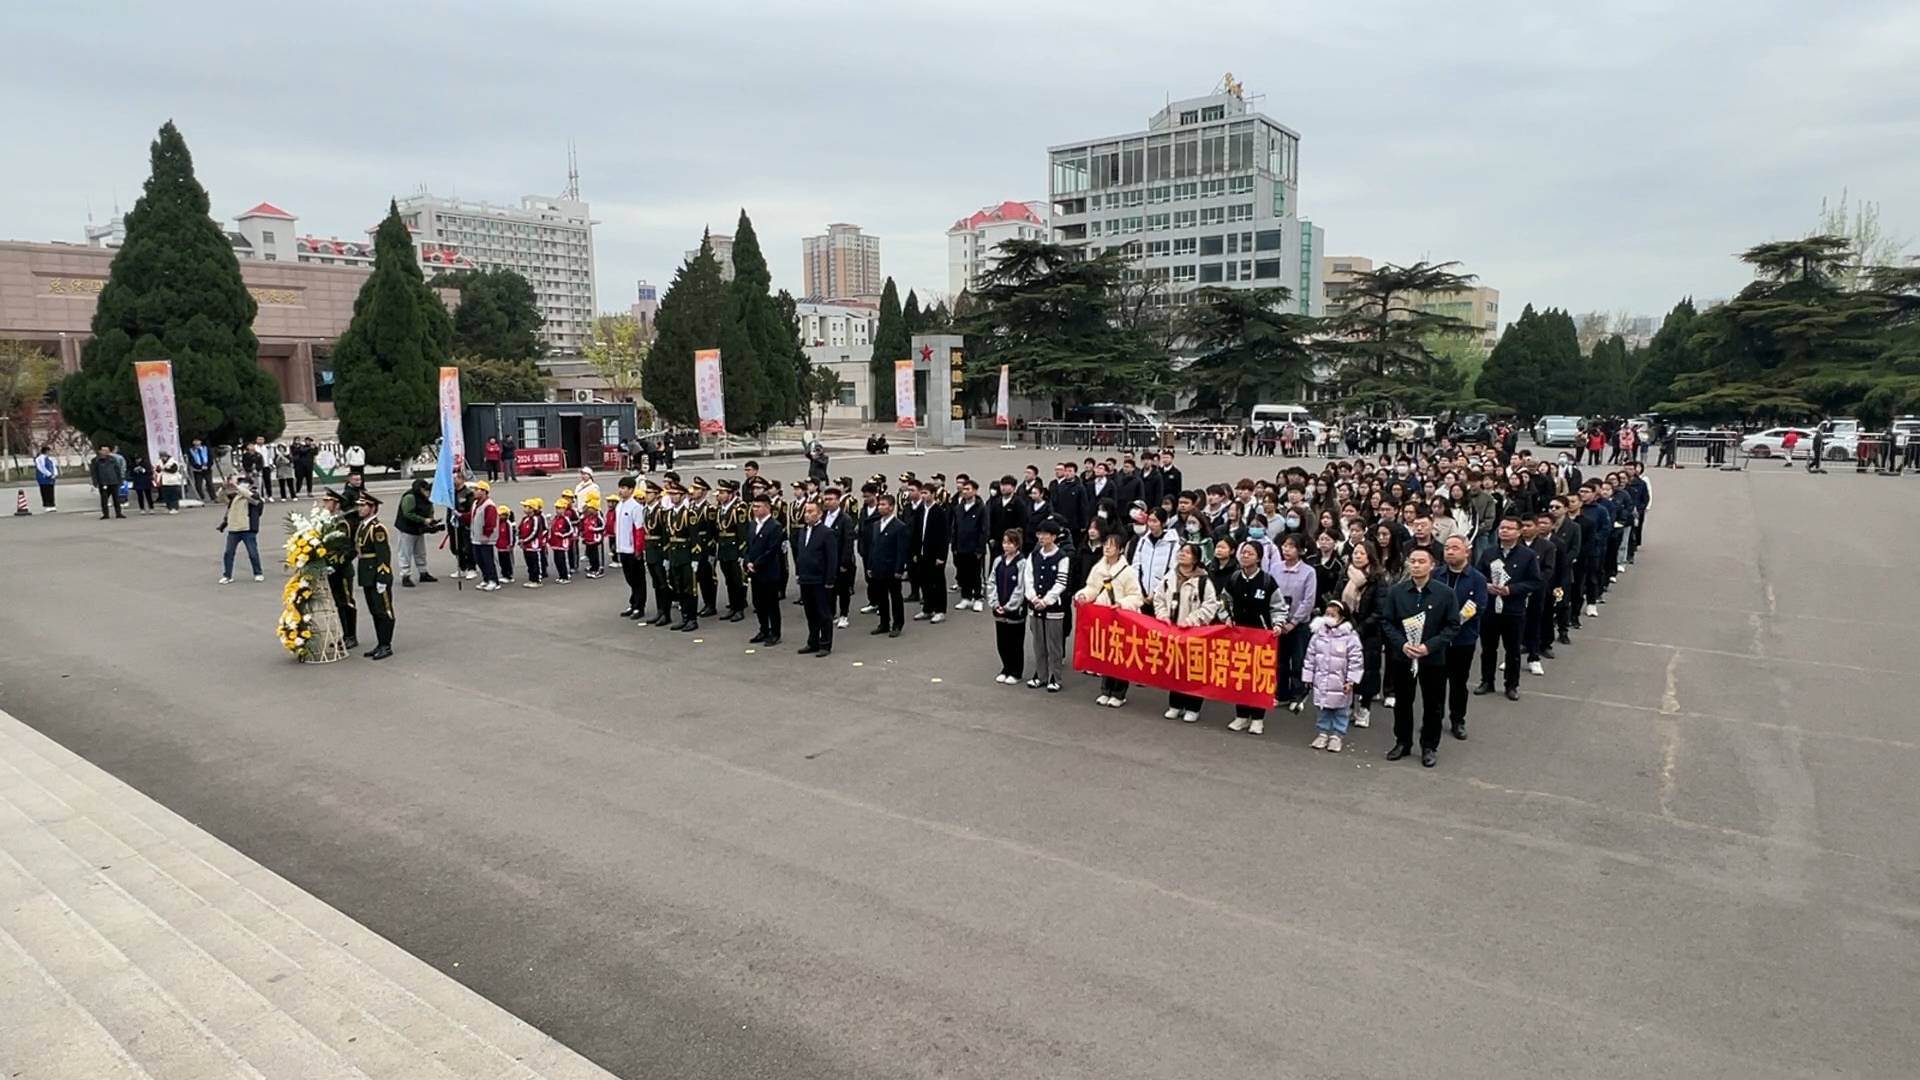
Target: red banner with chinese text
point(1220, 663)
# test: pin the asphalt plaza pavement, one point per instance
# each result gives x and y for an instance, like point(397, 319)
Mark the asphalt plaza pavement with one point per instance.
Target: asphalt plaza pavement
point(1687, 852)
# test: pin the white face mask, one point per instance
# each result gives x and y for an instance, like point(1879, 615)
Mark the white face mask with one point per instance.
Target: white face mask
point(1139, 530)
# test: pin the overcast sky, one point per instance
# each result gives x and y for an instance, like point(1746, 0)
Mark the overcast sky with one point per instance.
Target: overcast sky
point(1611, 155)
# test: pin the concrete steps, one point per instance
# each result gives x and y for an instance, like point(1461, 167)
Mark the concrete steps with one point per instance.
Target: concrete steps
point(133, 944)
point(302, 421)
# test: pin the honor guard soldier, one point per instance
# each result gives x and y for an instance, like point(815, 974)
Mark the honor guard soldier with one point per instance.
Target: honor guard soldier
point(730, 544)
point(706, 536)
point(683, 553)
point(652, 496)
point(340, 570)
point(375, 552)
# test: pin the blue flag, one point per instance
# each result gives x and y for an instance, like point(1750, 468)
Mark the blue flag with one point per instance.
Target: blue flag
point(443, 472)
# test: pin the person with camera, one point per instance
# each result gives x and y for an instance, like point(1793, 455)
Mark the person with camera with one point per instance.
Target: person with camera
point(414, 521)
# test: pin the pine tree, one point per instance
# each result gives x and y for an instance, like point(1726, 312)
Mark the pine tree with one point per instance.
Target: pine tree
point(1511, 376)
point(387, 363)
point(802, 366)
point(1670, 355)
point(1607, 379)
point(499, 315)
point(910, 311)
point(764, 384)
point(174, 293)
point(891, 343)
point(692, 316)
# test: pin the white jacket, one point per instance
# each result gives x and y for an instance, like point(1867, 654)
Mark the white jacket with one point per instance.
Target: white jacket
point(1113, 585)
point(1194, 602)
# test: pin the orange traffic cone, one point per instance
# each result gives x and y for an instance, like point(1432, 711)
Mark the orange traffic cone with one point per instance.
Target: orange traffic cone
point(20, 504)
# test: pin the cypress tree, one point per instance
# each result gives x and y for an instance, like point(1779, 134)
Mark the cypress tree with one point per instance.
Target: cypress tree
point(693, 314)
point(174, 293)
point(802, 367)
point(1670, 355)
point(891, 342)
point(766, 384)
point(387, 364)
point(910, 311)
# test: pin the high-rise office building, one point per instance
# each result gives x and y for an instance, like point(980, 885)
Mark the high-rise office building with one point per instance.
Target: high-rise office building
point(1207, 195)
point(972, 240)
point(547, 240)
point(842, 264)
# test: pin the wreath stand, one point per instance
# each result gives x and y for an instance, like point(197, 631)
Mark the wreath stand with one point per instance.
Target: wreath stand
point(329, 638)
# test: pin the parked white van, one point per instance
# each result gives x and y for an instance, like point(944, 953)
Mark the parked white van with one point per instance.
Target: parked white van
point(1262, 415)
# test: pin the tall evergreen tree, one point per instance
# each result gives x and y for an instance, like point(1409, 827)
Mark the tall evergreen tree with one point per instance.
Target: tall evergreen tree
point(387, 364)
point(802, 366)
point(1670, 355)
point(1252, 348)
point(498, 317)
point(174, 293)
point(1379, 343)
point(910, 311)
point(1512, 375)
point(1050, 316)
point(891, 342)
point(764, 385)
point(693, 314)
point(1608, 379)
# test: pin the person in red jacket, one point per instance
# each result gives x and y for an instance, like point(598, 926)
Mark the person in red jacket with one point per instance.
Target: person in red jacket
point(533, 541)
point(503, 547)
point(561, 531)
point(593, 527)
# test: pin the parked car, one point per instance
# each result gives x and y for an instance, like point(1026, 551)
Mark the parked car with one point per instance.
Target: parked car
point(1474, 427)
point(1768, 443)
point(1842, 438)
point(1278, 415)
point(1403, 427)
point(1557, 431)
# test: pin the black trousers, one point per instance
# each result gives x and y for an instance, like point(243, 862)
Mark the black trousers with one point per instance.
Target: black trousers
point(505, 555)
point(110, 502)
point(966, 574)
point(1010, 638)
point(709, 585)
point(1432, 684)
point(684, 578)
point(736, 585)
point(1539, 631)
point(932, 577)
point(1502, 632)
point(818, 602)
point(1595, 584)
point(766, 604)
point(1459, 661)
point(303, 480)
point(380, 606)
point(843, 587)
point(484, 562)
point(633, 567)
point(46, 496)
point(662, 585)
point(203, 484)
point(341, 588)
point(883, 592)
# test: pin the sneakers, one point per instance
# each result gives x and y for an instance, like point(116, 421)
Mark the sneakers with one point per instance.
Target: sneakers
point(1387, 701)
point(226, 581)
point(1191, 716)
point(1536, 668)
point(1361, 718)
point(868, 610)
point(1103, 701)
point(1053, 687)
point(1259, 727)
point(1334, 744)
point(939, 617)
point(470, 574)
point(1320, 741)
point(259, 577)
point(530, 585)
point(840, 623)
point(1296, 706)
point(1171, 714)
point(1593, 611)
point(1239, 724)
point(1033, 684)
point(919, 616)
point(979, 605)
point(1115, 702)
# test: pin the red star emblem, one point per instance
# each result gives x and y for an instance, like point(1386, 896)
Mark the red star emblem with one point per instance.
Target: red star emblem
point(926, 353)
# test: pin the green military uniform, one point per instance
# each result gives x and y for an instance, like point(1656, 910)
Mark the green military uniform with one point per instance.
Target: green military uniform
point(340, 575)
point(656, 556)
point(730, 545)
point(374, 549)
point(683, 552)
point(706, 536)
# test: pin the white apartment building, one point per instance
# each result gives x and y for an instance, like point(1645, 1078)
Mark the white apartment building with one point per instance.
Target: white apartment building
point(722, 253)
point(972, 240)
point(839, 337)
point(548, 241)
point(269, 234)
point(1207, 195)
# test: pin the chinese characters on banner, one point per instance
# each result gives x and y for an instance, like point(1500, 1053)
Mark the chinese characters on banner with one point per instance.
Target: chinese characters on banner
point(155, 379)
point(903, 395)
point(1001, 414)
point(957, 376)
point(1220, 663)
point(709, 394)
point(450, 412)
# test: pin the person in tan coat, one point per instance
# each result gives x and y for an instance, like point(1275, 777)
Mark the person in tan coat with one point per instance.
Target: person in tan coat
point(1186, 597)
point(1112, 582)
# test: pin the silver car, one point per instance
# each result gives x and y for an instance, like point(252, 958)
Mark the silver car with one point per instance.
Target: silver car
point(1557, 431)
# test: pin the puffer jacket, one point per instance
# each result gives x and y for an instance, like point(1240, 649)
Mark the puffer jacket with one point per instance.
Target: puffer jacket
point(1112, 585)
point(1193, 602)
point(1335, 660)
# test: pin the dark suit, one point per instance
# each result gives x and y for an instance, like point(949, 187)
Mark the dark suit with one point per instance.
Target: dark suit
point(766, 553)
point(1170, 481)
point(970, 545)
point(848, 531)
point(816, 564)
point(887, 560)
point(1004, 514)
point(929, 536)
point(1502, 628)
point(1128, 489)
point(1069, 501)
point(1153, 484)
